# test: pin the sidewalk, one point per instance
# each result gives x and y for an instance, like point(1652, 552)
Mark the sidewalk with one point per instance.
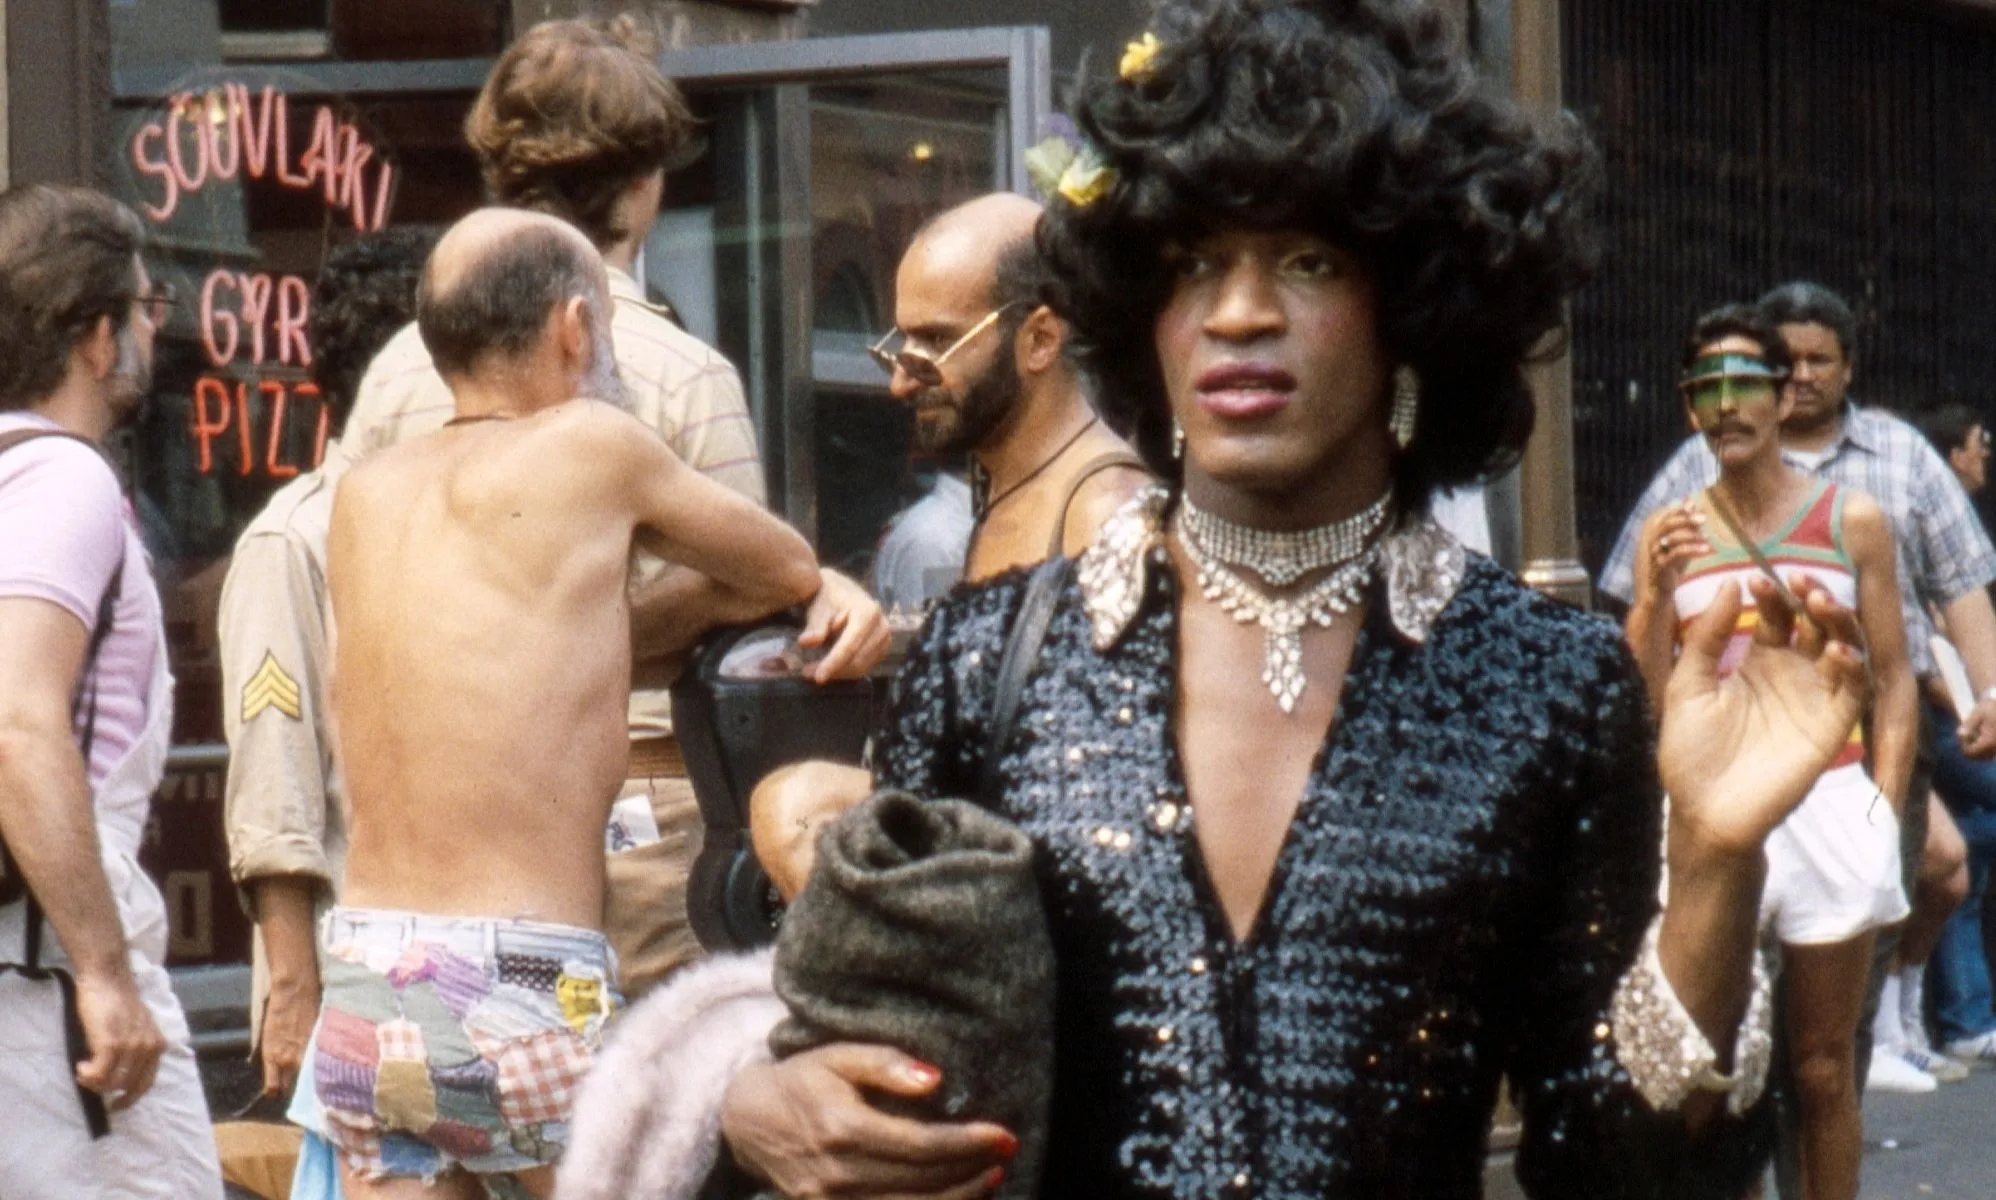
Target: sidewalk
point(1937, 1147)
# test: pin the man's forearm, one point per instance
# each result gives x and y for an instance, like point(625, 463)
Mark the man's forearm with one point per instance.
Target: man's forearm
point(1706, 947)
point(284, 905)
point(1652, 639)
point(1971, 624)
point(1895, 735)
point(1707, 941)
point(672, 612)
point(51, 832)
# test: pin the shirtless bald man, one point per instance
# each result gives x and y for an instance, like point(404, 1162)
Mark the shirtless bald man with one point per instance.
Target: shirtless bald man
point(481, 668)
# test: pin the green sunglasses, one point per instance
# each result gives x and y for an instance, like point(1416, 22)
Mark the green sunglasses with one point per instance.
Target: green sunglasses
point(1717, 380)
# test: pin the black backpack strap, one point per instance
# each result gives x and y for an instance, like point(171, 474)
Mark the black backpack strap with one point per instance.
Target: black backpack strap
point(85, 705)
point(1015, 666)
point(76, 1042)
point(1089, 470)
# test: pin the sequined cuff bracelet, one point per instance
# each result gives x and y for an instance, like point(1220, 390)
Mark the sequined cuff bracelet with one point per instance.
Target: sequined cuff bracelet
point(1667, 1056)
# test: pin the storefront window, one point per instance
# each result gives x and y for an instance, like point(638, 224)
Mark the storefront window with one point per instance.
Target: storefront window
point(885, 157)
point(254, 138)
point(246, 175)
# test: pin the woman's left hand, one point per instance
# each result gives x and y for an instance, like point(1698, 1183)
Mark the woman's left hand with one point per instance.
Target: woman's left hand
point(1738, 754)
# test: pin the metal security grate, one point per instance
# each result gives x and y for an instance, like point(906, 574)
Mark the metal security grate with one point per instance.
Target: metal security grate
point(1757, 141)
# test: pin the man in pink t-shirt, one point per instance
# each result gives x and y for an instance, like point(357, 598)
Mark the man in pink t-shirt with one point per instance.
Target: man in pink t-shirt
point(82, 665)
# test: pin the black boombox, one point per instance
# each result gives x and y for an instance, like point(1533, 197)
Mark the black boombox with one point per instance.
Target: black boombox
point(740, 710)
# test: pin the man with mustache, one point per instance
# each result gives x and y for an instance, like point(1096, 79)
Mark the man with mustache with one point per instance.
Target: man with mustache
point(1832, 865)
point(481, 666)
point(1945, 561)
point(1945, 557)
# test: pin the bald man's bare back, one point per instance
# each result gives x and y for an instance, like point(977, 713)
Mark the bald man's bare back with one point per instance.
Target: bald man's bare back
point(482, 654)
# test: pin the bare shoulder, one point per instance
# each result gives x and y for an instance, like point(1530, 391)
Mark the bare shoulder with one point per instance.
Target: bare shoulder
point(594, 428)
point(1109, 489)
point(1866, 527)
point(361, 481)
point(1102, 496)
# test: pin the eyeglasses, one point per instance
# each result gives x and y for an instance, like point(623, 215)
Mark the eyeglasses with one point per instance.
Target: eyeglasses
point(923, 367)
point(158, 301)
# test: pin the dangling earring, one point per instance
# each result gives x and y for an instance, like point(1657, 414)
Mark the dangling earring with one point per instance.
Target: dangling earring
point(1177, 440)
point(1406, 404)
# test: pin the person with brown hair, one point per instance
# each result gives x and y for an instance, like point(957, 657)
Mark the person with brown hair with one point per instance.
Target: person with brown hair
point(1833, 864)
point(576, 122)
point(88, 1017)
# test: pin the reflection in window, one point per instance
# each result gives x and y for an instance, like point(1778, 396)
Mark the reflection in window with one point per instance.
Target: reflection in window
point(886, 155)
point(271, 16)
point(244, 190)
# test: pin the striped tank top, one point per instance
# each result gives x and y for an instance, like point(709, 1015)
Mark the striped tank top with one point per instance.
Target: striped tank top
point(1811, 544)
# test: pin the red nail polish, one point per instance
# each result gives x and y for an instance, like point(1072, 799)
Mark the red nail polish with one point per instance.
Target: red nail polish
point(993, 1178)
point(924, 1073)
point(1008, 1146)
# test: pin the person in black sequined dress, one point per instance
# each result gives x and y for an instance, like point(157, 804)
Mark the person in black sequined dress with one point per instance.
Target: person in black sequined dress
point(1315, 890)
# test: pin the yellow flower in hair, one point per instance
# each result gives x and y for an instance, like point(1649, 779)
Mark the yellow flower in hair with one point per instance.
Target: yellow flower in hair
point(1137, 57)
point(1086, 179)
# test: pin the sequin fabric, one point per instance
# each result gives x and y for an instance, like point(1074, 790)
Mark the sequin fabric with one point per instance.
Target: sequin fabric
point(1470, 873)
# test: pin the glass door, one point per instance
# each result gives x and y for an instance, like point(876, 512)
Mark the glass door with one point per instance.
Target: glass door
point(826, 157)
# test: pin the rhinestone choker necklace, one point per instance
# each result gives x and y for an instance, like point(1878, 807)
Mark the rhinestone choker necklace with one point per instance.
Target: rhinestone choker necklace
point(1283, 558)
point(1222, 551)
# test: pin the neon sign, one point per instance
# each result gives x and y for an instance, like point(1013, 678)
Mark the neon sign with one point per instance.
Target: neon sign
point(184, 152)
point(252, 326)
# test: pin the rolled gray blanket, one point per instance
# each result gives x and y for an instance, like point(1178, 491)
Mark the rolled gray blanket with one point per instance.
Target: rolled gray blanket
point(921, 929)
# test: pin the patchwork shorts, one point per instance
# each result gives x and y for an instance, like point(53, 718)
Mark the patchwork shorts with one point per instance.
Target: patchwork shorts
point(455, 1042)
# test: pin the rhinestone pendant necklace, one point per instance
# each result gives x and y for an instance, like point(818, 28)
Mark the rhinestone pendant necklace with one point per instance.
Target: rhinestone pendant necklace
point(1221, 551)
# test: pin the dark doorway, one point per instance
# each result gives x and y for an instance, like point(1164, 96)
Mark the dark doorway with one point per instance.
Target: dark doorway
point(1764, 140)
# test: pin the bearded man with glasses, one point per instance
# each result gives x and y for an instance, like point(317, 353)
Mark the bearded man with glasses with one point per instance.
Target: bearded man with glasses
point(987, 369)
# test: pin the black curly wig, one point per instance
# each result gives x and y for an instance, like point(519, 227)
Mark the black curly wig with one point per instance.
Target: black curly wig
point(1361, 122)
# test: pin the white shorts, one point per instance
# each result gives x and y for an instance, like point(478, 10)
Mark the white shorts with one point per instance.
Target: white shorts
point(163, 1146)
point(1833, 865)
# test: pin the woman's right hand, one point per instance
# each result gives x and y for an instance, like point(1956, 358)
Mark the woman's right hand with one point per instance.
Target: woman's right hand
point(1676, 538)
point(805, 1126)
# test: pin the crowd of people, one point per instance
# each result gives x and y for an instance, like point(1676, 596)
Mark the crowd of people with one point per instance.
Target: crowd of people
point(1331, 824)
point(1785, 472)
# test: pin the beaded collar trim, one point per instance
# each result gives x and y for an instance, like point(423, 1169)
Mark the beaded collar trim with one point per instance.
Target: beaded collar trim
point(1422, 564)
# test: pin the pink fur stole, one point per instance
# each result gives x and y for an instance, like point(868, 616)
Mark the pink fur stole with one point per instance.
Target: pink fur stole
point(647, 1124)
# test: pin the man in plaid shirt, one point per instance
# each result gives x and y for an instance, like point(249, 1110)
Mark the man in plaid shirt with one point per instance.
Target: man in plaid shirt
point(1945, 562)
point(1945, 558)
